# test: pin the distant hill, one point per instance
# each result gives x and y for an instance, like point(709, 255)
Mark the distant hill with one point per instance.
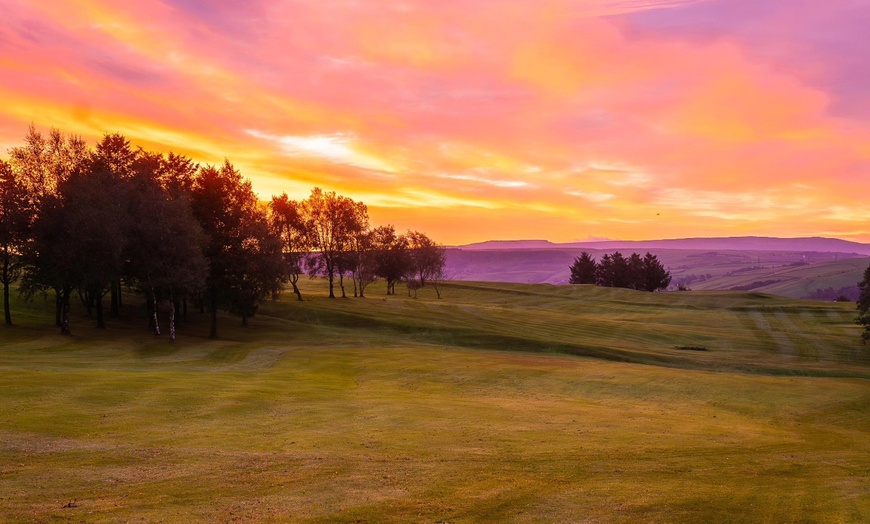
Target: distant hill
point(513, 244)
point(807, 244)
point(796, 268)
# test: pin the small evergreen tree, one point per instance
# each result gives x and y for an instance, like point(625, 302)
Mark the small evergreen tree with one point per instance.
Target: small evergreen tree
point(655, 276)
point(583, 269)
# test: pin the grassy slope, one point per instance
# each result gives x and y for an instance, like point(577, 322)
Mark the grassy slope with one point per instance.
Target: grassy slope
point(727, 269)
point(801, 281)
point(405, 410)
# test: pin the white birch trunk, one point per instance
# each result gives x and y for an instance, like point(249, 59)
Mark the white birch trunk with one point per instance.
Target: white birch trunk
point(171, 317)
point(156, 325)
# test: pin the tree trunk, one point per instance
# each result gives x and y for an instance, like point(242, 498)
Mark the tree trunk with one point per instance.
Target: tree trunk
point(87, 301)
point(212, 333)
point(244, 320)
point(64, 311)
point(98, 302)
point(149, 307)
point(6, 311)
point(58, 306)
point(176, 302)
point(154, 309)
point(171, 317)
point(341, 284)
point(293, 280)
point(114, 308)
point(331, 284)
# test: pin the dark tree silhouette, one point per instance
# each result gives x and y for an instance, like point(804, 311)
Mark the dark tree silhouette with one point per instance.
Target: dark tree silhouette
point(583, 270)
point(94, 201)
point(613, 271)
point(165, 242)
point(655, 276)
point(78, 239)
point(42, 164)
point(635, 278)
point(15, 212)
point(244, 255)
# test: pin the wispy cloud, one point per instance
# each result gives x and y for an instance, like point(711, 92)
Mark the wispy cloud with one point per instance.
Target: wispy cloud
point(488, 181)
point(334, 148)
point(593, 196)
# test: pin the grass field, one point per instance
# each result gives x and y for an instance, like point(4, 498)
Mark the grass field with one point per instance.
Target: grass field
point(498, 403)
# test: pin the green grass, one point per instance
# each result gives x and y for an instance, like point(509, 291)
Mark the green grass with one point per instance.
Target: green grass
point(796, 282)
point(498, 403)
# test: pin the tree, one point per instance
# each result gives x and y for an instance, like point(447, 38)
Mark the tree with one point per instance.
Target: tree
point(583, 269)
point(427, 257)
point(244, 254)
point(95, 212)
point(165, 242)
point(392, 259)
point(655, 276)
point(288, 224)
point(864, 305)
point(363, 267)
point(15, 214)
point(331, 220)
point(43, 164)
point(115, 155)
point(613, 271)
point(438, 279)
point(78, 239)
point(635, 278)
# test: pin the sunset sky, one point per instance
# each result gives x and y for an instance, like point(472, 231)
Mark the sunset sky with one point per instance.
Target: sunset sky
point(480, 119)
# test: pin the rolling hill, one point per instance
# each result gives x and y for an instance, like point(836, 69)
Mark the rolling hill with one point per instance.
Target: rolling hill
point(795, 268)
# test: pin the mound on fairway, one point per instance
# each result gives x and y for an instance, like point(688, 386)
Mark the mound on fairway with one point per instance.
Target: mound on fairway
point(498, 403)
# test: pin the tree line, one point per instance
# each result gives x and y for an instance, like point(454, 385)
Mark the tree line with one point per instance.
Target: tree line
point(90, 223)
point(615, 270)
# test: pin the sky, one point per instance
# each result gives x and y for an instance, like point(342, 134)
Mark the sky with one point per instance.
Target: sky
point(472, 120)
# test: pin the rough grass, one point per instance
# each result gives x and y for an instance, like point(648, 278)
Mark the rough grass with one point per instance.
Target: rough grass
point(484, 406)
